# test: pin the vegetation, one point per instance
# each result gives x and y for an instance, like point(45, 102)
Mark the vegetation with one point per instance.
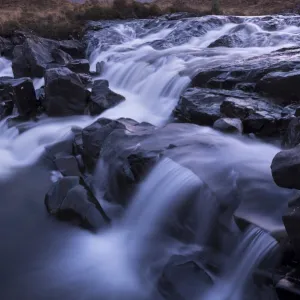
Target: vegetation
point(62, 18)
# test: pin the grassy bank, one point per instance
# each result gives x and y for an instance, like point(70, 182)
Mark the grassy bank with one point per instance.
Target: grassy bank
point(61, 18)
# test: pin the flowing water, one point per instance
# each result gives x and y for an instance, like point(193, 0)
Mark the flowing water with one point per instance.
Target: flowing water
point(150, 62)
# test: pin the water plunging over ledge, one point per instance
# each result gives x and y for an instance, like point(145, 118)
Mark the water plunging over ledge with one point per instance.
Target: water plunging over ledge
point(150, 62)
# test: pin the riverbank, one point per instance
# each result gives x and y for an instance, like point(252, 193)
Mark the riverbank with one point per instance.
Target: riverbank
point(55, 19)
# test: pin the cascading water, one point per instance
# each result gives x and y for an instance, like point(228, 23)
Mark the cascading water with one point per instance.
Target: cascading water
point(150, 62)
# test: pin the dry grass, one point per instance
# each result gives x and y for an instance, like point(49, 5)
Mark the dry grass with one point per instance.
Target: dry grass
point(61, 18)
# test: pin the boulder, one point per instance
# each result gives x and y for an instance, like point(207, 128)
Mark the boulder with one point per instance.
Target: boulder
point(79, 66)
point(21, 92)
point(229, 41)
point(229, 125)
point(199, 106)
point(281, 85)
point(67, 165)
point(286, 168)
point(103, 98)
point(6, 109)
point(65, 95)
point(35, 54)
point(74, 48)
point(68, 198)
point(292, 135)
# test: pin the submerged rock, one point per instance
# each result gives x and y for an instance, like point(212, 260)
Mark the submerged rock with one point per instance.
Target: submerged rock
point(65, 95)
point(103, 98)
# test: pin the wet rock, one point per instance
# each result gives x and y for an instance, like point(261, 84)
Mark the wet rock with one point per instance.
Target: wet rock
point(6, 47)
point(199, 106)
point(21, 92)
point(79, 66)
point(286, 168)
point(99, 67)
point(67, 165)
point(281, 85)
point(103, 98)
point(65, 94)
point(258, 115)
point(67, 198)
point(229, 41)
point(292, 135)
point(86, 79)
point(93, 138)
point(229, 125)
point(288, 290)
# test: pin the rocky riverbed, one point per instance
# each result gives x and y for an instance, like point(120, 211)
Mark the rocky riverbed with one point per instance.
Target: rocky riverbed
point(170, 147)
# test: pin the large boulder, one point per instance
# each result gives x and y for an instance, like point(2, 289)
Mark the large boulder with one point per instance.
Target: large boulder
point(21, 92)
point(79, 66)
point(65, 95)
point(103, 98)
point(281, 85)
point(286, 168)
point(68, 198)
point(35, 54)
point(199, 106)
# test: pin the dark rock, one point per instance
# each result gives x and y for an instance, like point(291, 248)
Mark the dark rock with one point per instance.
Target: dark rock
point(99, 67)
point(67, 165)
point(65, 94)
point(229, 125)
point(79, 66)
point(61, 57)
point(93, 138)
point(20, 65)
point(86, 79)
point(281, 85)
point(292, 135)
point(67, 198)
point(6, 47)
point(103, 98)
point(73, 47)
point(287, 290)
point(286, 168)
point(199, 106)
point(21, 92)
point(6, 109)
point(258, 115)
point(291, 220)
point(228, 41)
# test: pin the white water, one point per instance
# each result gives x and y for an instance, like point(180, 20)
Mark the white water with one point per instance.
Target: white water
point(152, 80)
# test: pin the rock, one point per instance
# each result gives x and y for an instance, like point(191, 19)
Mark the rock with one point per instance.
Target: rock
point(6, 47)
point(67, 165)
point(258, 115)
point(65, 94)
point(103, 98)
point(21, 92)
point(199, 106)
point(93, 138)
point(67, 198)
point(73, 47)
point(86, 79)
point(61, 57)
point(286, 168)
point(229, 41)
point(34, 56)
point(99, 67)
point(291, 220)
point(6, 109)
point(281, 85)
point(229, 125)
point(287, 289)
point(292, 135)
point(79, 66)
